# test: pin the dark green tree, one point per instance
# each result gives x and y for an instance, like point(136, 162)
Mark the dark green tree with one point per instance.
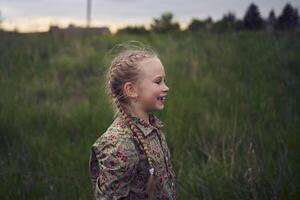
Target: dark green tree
point(133, 30)
point(271, 21)
point(197, 24)
point(229, 18)
point(252, 19)
point(165, 24)
point(227, 23)
point(289, 18)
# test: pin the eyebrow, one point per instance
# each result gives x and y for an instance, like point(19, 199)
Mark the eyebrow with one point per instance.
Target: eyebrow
point(159, 77)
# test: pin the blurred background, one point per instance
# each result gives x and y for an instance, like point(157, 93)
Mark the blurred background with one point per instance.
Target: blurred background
point(231, 116)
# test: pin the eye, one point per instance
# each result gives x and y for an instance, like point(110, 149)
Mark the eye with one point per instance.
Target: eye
point(158, 81)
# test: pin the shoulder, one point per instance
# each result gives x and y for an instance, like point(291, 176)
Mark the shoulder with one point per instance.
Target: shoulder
point(115, 133)
point(116, 139)
point(113, 161)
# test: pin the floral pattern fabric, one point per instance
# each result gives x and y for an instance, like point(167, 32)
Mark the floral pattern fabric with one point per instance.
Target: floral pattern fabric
point(119, 167)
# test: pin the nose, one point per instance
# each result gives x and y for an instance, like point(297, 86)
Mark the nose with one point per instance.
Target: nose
point(166, 88)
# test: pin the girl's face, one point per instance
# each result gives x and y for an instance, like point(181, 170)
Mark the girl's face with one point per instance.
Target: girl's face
point(152, 89)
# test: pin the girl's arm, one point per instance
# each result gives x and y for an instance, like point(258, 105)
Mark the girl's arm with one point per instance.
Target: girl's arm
point(113, 164)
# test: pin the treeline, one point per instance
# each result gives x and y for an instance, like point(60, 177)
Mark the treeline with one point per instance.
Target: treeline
point(252, 20)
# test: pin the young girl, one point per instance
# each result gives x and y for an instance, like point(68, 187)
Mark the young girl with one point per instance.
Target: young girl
point(131, 159)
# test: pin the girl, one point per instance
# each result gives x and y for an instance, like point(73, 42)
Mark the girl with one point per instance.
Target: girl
point(131, 159)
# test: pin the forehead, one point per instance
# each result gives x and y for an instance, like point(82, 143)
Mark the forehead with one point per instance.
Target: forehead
point(151, 67)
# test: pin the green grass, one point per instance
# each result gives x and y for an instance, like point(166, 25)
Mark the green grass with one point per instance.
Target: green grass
point(231, 117)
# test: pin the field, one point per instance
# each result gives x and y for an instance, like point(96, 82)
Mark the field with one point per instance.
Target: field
point(231, 116)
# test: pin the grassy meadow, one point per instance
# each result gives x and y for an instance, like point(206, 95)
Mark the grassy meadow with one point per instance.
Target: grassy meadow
point(231, 116)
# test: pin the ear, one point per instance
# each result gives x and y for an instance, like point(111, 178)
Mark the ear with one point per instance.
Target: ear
point(130, 89)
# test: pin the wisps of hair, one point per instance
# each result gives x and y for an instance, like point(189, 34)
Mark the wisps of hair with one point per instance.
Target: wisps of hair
point(123, 67)
point(122, 61)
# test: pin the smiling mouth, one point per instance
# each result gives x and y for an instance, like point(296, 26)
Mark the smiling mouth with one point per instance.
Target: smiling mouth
point(162, 99)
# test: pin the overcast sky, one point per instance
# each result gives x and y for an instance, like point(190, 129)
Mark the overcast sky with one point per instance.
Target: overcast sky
point(37, 15)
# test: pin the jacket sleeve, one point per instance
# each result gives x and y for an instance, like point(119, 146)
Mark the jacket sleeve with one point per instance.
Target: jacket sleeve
point(113, 164)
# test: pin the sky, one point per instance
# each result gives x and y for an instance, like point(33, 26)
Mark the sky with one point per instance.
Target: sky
point(37, 15)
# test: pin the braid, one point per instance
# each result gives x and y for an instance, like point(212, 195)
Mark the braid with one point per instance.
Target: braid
point(138, 135)
point(125, 68)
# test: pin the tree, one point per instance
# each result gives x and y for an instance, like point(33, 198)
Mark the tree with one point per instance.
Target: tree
point(133, 30)
point(288, 19)
point(229, 18)
point(197, 24)
point(227, 23)
point(252, 19)
point(164, 24)
point(208, 23)
point(271, 21)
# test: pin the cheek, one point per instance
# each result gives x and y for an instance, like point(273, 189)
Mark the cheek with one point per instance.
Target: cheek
point(150, 94)
point(149, 90)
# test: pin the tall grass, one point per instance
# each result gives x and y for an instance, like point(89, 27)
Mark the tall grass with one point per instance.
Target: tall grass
point(231, 117)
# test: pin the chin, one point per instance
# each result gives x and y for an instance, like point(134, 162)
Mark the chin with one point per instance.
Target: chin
point(157, 109)
point(160, 107)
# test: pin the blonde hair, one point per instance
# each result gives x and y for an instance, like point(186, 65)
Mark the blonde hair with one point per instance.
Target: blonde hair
point(123, 68)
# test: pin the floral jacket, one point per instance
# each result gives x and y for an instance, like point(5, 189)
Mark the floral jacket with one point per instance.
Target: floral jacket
point(119, 168)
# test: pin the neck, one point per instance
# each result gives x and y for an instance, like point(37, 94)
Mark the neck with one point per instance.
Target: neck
point(139, 113)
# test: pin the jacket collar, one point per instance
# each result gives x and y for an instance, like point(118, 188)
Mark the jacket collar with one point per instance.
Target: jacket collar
point(147, 128)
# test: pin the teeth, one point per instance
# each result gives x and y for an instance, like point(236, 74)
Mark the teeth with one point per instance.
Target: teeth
point(161, 98)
